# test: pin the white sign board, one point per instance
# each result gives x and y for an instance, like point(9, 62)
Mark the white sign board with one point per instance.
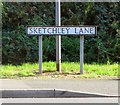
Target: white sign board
point(61, 30)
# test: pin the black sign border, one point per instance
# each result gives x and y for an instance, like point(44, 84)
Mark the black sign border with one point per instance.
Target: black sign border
point(61, 34)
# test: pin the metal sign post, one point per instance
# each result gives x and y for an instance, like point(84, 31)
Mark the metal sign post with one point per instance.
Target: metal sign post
point(58, 38)
point(40, 54)
point(81, 53)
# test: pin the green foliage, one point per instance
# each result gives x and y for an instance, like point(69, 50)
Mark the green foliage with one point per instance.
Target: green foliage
point(70, 48)
point(18, 47)
point(109, 24)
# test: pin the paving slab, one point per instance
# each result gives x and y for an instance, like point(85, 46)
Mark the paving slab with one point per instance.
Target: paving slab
point(59, 88)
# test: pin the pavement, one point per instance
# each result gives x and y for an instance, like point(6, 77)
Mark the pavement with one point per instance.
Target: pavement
point(84, 90)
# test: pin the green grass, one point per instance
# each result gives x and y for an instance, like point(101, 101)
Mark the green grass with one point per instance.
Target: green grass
point(68, 68)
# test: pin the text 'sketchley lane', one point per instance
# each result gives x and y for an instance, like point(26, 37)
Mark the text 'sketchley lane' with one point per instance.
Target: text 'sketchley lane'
point(60, 30)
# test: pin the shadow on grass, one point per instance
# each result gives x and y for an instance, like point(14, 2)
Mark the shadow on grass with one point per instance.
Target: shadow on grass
point(47, 71)
point(53, 72)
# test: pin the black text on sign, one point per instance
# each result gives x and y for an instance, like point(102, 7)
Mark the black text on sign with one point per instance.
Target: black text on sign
point(89, 30)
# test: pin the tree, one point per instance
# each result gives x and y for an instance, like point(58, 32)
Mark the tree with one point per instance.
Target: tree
point(18, 47)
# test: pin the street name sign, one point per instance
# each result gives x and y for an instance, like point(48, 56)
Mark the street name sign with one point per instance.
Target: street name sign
point(62, 30)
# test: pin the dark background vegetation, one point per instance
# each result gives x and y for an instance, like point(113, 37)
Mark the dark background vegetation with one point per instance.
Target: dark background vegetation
point(17, 47)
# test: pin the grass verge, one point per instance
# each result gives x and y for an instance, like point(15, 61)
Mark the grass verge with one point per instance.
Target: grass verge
point(69, 70)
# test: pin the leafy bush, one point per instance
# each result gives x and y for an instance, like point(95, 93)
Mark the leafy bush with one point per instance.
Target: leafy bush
point(18, 47)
